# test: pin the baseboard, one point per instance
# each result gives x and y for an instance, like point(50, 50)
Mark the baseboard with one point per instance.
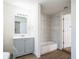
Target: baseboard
point(38, 56)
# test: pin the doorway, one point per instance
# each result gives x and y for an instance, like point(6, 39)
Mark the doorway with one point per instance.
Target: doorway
point(67, 33)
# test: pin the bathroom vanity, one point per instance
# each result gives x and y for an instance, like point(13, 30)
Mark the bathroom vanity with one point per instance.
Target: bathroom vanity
point(23, 46)
point(23, 43)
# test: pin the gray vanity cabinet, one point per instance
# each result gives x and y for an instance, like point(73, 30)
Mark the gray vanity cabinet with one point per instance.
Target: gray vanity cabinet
point(29, 45)
point(18, 47)
point(23, 46)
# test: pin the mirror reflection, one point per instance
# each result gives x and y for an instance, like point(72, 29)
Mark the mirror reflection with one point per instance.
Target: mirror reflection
point(20, 25)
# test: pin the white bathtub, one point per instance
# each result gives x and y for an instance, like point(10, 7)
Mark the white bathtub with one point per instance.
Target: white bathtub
point(47, 47)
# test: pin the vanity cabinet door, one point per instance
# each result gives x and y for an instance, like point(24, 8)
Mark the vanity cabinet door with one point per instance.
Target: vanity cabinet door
point(19, 47)
point(29, 45)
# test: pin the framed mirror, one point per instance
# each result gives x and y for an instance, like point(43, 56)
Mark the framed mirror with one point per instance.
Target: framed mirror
point(20, 24)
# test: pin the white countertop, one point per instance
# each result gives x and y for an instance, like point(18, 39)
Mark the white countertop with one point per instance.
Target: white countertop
point(22, 36)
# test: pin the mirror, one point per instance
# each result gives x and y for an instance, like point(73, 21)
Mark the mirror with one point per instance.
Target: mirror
point(20, 25)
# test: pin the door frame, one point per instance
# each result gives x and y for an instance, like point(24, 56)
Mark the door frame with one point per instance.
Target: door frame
point(63, 30)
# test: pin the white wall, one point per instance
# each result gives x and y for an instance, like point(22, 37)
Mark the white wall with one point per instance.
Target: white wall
point(57, 29)
point(73, 35)
point(45, 28)
point(8, 28)
point(10, 10)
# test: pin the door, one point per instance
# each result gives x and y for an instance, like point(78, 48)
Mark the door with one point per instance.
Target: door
point(29, 45)
point(19, 47)
point(67, 31)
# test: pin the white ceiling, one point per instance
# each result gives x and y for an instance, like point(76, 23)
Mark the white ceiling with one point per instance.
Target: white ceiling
point(48, 6)
point(55, 6)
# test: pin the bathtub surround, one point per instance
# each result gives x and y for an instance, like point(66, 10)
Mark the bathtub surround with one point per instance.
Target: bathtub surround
point(45, 30)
